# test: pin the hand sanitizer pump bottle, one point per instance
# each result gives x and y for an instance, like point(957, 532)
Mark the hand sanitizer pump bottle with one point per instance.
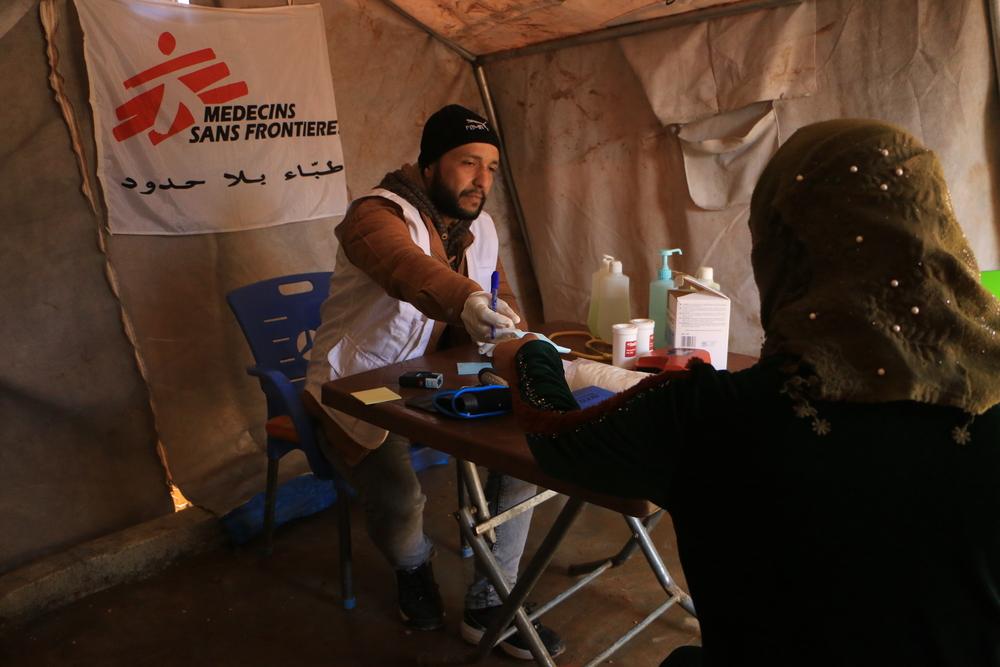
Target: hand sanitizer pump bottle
point(658, 289)
point(603, 271)
point(615, 301)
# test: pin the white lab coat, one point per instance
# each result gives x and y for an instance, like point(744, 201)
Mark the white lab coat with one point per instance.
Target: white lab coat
point(364, 328)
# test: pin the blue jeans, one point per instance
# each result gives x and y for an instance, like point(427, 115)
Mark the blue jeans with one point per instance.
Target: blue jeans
point(393, 503)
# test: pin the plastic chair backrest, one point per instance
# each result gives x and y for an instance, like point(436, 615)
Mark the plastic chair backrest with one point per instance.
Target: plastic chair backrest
point(991, 281)
point(279, 318)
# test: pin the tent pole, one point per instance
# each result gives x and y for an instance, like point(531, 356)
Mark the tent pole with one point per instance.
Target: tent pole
point(508, 175)
point(637, 28)
point(441, 38)
point(994, 7)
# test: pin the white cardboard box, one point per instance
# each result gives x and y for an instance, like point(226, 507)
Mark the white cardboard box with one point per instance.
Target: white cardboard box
point(699, 316)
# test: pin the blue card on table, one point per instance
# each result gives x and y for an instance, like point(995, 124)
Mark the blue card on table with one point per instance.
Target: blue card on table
point(588, 396)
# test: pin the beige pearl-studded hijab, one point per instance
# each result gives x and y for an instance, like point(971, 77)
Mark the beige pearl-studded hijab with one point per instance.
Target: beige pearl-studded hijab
point(865, 275)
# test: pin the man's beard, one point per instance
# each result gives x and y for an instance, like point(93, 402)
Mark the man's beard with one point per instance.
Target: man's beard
point(447, 203)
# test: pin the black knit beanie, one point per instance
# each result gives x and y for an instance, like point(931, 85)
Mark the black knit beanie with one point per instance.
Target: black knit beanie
point(451, 127)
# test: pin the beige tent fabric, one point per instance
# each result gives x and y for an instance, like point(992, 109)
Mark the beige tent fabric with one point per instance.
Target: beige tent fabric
point(660, 9)
point(677, 93)
point(79, 451)
point(724, 155)
point(764, 55)
point(388, 77)
point(497, 25)
point(597, 171)
point(925, 65)
point(698, 70)
point(580, 122)
point(12, 12)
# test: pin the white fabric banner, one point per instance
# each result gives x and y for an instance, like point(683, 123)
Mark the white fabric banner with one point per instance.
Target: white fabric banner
point(210, 120)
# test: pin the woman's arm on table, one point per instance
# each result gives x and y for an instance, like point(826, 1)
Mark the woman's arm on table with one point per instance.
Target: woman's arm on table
point(626, 446)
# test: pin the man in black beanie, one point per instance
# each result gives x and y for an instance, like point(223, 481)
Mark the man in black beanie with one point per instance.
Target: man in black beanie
point(413, 275)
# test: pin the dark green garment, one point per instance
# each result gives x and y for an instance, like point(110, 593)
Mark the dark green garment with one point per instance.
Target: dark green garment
point(876, 544)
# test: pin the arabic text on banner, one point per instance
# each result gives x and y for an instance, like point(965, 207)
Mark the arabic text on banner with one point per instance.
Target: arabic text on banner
point(210, 120)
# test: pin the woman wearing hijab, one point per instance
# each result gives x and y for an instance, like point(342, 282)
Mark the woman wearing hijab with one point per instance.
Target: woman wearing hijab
point(839, 502)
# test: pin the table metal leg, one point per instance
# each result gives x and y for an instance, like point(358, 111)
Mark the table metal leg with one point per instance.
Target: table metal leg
point(656, 563)
point(511, 512)
point(514, 599)
point(492, 570)
point(474, 487)
point(463, 499)
point(474, 521)
point(627, 637)
point(623, 554)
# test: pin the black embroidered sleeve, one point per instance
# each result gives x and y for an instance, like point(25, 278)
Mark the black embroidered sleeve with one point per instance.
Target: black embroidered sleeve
point(541, 380)
point(625, 446)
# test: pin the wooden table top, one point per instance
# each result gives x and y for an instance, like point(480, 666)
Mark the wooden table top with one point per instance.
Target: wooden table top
point(495, 442)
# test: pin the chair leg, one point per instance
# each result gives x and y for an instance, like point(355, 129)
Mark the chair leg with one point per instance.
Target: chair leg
point(270, 496)
point(344, 528)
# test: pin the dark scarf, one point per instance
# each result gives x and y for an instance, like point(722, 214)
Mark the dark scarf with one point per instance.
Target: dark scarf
point(864, 272)
point(453, 237)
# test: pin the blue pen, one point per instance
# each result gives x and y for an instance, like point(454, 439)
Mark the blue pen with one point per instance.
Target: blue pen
point(494, 290)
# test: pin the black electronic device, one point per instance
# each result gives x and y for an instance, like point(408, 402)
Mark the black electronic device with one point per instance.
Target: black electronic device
point(425, 379)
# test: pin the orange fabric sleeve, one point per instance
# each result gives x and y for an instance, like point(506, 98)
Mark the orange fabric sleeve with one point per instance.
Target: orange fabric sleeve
point(375, 238)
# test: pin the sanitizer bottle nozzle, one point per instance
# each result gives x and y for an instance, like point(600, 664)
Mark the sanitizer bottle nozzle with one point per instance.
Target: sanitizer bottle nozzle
point(665, 272)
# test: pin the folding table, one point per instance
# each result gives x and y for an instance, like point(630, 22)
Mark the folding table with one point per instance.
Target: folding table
point(498, 444)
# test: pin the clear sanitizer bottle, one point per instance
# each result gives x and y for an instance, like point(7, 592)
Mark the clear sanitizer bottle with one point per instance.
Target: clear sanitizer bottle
point(658, 289)
point(602, 272)
point(615, 306)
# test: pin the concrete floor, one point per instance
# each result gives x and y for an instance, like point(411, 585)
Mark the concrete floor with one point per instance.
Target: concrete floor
point(236, 607)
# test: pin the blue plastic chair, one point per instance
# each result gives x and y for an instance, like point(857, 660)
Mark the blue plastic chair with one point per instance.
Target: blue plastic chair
point(279, 317)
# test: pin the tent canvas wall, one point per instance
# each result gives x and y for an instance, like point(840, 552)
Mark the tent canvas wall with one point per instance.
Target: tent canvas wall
point(125, 369)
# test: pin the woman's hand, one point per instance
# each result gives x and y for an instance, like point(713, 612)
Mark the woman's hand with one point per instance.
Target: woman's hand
point(505, 355)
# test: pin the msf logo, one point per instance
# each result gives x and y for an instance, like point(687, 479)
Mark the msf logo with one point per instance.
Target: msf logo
point(473, 124)
point(139, 113)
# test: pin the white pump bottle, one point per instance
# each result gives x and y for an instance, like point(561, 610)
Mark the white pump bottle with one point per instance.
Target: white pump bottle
point(615, 302)
point(602, 272)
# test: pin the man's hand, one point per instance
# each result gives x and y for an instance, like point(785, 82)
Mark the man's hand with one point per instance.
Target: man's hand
point(485, 325)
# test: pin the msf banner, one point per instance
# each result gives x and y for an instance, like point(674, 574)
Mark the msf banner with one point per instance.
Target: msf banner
point(212, 120)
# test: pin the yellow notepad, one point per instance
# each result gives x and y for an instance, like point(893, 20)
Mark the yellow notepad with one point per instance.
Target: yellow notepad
point(377, 395)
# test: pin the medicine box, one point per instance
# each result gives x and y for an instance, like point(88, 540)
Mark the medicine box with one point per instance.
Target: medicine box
point(699, 317)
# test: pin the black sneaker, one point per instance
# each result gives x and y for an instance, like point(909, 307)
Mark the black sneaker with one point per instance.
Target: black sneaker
point(475, 622)
point(419, 600)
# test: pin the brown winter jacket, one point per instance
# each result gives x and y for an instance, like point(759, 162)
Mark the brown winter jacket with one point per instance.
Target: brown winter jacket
point(375, 238)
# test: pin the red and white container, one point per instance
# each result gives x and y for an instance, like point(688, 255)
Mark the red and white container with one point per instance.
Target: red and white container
point(644, 342)
point(624, 345)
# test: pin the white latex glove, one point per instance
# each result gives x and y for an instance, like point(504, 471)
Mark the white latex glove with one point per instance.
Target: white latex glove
point(487, 348)
point(485, 325)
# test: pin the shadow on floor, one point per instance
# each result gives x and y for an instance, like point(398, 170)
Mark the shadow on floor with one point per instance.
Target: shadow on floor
point(236, 607)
